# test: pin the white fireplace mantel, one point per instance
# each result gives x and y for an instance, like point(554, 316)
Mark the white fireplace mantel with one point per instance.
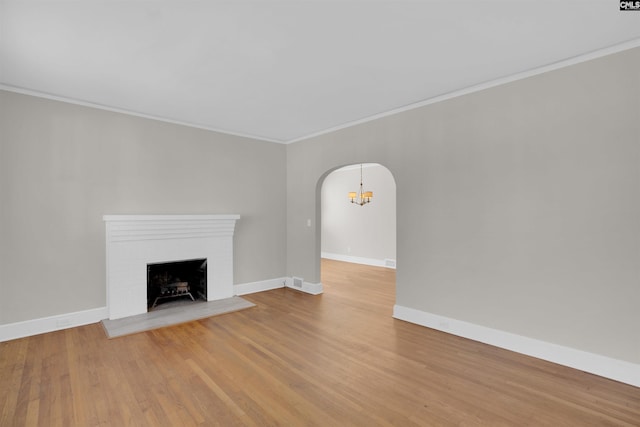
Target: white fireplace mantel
point(133, 241)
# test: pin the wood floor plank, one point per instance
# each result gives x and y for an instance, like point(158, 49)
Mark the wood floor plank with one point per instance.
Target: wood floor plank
point(13, 361)
point(336, 359)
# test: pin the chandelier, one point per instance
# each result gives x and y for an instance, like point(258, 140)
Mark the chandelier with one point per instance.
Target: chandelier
point(361, 197)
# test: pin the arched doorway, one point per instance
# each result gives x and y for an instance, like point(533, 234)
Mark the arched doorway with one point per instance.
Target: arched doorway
point(360, 235)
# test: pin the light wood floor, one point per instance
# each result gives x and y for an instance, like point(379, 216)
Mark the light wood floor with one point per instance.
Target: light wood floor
point(338, 359)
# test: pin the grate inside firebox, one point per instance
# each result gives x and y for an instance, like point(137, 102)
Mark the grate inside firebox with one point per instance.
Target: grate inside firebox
point(177, 281)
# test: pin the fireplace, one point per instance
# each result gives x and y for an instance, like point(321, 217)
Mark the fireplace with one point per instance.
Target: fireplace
point(136, 241)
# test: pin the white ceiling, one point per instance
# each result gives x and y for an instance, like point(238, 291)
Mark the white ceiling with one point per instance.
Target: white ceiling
point(284, 70)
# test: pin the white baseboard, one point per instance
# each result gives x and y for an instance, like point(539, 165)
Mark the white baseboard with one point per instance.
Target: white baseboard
point(389, 263)
point(53, 323)
point(311, 288)
point(262, 285)
point(70, 320)
point(299, 284)
point(603, 366)
point(280, 282)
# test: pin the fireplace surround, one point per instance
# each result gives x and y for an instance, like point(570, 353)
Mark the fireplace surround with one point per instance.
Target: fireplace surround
point(134, 241)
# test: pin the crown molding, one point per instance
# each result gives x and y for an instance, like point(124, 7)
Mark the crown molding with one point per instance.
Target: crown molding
point(634, 43)
point(52, 97)
point(482, 86)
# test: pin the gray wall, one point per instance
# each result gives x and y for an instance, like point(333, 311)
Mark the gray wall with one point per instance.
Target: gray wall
point(63, 166)
point(518, 207)
point(359, 231)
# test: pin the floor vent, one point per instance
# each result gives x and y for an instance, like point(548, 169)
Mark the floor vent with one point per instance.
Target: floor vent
point(391, 263)
point(297, 282)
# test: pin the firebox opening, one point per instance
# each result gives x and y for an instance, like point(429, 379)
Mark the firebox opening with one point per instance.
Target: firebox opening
point(176, 282)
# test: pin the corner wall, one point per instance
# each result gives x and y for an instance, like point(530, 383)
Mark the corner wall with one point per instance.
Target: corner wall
point(518, 206)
